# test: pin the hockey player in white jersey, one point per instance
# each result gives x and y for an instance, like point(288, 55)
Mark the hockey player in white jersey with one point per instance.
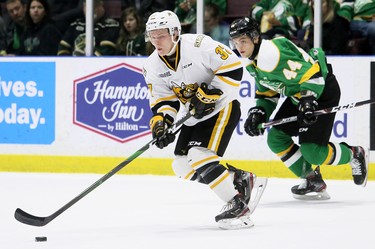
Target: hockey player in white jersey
point(192, 72)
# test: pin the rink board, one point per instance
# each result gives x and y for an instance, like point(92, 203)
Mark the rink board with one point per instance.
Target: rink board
point(52, 120)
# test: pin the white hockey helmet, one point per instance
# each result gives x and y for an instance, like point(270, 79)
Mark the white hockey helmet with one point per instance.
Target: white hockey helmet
point(163, 20)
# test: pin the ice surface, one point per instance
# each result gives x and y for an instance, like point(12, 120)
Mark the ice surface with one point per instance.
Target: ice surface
point(149, 212)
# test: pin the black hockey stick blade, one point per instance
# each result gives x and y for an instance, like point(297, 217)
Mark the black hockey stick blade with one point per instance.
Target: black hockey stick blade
point(29, 219)
point(317, 113)
point(38, 221)
point(33, 220)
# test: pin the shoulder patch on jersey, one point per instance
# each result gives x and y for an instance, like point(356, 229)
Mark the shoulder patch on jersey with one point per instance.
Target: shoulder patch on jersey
point(198, 41)
point(269, 56)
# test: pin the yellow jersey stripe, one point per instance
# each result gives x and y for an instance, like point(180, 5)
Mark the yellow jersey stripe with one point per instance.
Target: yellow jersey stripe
point(228, 81)
point(203, 161)
point(188, 176)
point(167, 108)
point(167, 63)
point(213, 139)
point(233, 65)
point(284, 152)
point(329, 156)
point(313, 70)
point(269, 93)
point(175, 62)
point(223, 124)
point(221, 179)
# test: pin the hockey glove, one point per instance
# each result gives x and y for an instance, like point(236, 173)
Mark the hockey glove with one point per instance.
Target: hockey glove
point(203, 102)
point(255, 117)
point(159, 125)
point(306, 107)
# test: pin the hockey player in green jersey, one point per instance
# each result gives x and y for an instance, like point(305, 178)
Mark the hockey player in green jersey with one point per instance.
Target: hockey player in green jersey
point(308, 83)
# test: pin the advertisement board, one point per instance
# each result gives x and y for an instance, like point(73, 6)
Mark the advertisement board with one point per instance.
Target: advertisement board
point(27, 109)
point(98, 107)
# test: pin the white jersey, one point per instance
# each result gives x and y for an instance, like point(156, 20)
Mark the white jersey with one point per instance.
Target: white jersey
point(198, 59)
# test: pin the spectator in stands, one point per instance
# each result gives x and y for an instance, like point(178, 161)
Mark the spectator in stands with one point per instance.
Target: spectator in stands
point(16, 11)
point(64, 12)
point(41, 36)
point(106, 32)
point(335, 30)
point(145, 7)
point(281, 18)
point(361, 15)
point(214, 26)
point(186, 10)
point(131, 41)
point(3, 35)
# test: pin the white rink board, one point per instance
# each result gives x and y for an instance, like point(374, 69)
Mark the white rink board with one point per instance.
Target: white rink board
point(352, 125)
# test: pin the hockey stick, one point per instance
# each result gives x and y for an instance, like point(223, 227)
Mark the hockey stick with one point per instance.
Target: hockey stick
point(317, 113)
point(32, 220)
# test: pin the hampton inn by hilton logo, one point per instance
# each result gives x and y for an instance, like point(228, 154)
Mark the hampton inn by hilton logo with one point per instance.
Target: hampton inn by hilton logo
point(113, 102)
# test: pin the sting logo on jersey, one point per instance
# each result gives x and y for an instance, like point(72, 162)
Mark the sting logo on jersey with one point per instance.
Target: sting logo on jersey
point(185, 91)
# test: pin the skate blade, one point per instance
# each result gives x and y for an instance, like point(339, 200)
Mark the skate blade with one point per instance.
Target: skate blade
point(236, 223)
point(313, 196)
point(257, 192)
point(367, 159)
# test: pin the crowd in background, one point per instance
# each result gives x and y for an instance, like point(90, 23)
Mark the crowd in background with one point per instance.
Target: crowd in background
point(57, 27)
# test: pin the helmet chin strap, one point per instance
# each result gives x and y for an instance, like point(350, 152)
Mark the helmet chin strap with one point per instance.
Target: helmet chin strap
point(173, 49)
point(256, 50)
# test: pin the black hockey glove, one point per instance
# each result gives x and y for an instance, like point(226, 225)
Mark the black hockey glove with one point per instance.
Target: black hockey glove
point(203, 102)
point(306, 107)
point(255, 116)
point(159, 125)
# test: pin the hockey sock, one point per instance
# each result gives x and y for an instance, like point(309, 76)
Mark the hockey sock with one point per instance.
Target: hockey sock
point(293, 159)
point(219, 180)
point(338, 154)
point(196, 177)
point(283, 146)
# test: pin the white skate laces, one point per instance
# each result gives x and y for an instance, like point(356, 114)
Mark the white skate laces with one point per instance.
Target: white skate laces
point(303, 184)
point(359, 164)
point(356, 167)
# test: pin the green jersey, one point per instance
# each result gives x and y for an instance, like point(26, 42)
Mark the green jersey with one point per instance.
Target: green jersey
point(292, 14)
point(283, 68)
point(357, 9)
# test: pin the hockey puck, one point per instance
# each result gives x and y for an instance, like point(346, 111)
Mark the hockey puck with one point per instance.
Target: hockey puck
point(40, 239)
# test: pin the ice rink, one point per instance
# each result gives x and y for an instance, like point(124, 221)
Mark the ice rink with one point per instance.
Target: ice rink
point(148, 212)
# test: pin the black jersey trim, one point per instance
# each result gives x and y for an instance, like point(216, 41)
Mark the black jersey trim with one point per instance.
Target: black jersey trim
point(173, 104)
point(167, 59)
point(234, 74)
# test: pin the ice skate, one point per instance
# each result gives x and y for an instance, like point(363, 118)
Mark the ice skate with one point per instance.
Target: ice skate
point(235, 215)
point(248, 185)
point(359, 164)
point(257, 192)
point(243, 181)
point(311, 188)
